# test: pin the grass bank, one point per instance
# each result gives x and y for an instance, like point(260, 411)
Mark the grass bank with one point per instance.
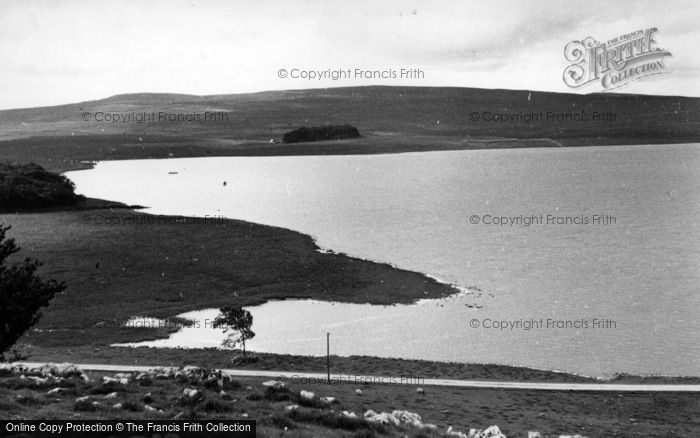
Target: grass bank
point(515, 412)
point(146, 265)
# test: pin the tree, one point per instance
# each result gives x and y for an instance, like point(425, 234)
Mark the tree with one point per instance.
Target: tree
point(22, 293)
point(237, 323)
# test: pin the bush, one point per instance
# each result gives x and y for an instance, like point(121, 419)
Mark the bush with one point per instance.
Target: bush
point(213, 405)
point(22, 294)
point(318, 133)
point(131, 406)
point(107, 388)
point(278, 394)
point(279, 421)
point(84, 406)
point(333, 420)
point(30, 186)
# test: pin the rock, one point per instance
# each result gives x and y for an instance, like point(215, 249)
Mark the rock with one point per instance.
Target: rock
point(147, 398)
point(123, 376)
point(82, 399)
point(383, 418)
point(150, 408)
point(179, 415)
point(274, 384)
point(194, 373)
point(307, 395)
point(489, 432)
point(96, 404)
point(37, 380)
point(85, 377)
point(190, 393)
point(348, 414)
point(122, 380)
point(66, 370)
point(56, 391)
point(358, 391)
point(330, 400)
point(111, 395)
point(407, 417)
point(533, 435)
point(291, 408)
point(420, 391)
point(117, 406)
point(454, 433)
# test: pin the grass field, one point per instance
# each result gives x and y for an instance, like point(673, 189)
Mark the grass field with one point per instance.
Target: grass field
point(390, 119)
point(515, 412)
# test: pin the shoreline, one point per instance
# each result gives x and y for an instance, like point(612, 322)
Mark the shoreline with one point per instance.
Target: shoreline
point(349, 365)
point(50, 332)
point(73, 153)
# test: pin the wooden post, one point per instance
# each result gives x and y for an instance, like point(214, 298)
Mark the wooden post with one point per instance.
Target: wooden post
point(328, 356)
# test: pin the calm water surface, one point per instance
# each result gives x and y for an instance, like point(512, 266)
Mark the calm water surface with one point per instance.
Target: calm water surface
point(639, 275)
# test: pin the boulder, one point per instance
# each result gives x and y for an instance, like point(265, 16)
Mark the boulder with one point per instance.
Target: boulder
point(358, 391)
point(383, 418)
point(407, 417)
point(291, 408)
point(329, 400)
point(190, 393)
point(276, 384)
point(348, 414)
point(38, 380)
point(112, 395)
point(454, 433)
point(67, 370)
point(307, 395)
point(489, 432)
point(56, 391)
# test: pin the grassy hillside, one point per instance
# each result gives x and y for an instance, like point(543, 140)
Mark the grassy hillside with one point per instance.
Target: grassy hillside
point(391, 119)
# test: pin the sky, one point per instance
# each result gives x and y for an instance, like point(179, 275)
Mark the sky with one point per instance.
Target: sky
point(63, 51)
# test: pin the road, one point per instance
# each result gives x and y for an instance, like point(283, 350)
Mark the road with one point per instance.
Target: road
point(321, 377)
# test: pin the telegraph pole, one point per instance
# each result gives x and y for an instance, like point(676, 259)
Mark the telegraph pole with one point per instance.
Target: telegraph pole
point(328, 356)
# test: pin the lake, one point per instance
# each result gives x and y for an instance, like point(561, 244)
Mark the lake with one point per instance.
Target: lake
point(611, 256)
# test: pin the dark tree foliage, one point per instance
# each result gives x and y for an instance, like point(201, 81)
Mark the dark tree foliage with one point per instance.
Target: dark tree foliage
point(30, 186)
point(238, 320)
point(22, 293)
point(321, 133)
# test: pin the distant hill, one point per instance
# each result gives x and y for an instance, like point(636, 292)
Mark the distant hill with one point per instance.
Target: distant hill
point(388, 118)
